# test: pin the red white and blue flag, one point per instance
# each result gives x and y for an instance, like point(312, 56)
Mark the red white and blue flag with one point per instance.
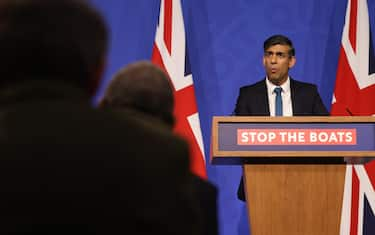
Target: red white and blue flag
point(354, 94)
point(170, 53)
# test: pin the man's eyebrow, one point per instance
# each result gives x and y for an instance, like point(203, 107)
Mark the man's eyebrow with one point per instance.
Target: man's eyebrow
point(277, 52)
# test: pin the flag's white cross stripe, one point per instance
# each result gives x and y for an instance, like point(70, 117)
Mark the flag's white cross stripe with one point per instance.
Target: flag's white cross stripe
point(347, 202)
point(359, 61)
point(175, 61)
point(195, 126)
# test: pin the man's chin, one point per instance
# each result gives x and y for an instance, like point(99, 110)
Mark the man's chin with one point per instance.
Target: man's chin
point(274, 80)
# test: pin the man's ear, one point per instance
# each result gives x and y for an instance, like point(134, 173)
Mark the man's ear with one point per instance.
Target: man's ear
point(292, 61)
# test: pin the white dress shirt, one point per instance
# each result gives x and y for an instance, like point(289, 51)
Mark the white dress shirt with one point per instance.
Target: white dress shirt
point(285, 95)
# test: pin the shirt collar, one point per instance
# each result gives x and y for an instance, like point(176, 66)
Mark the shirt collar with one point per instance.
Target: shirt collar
point(271, 87)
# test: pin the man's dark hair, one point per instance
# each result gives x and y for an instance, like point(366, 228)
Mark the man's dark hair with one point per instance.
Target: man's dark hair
point(279, 40)
point(50, 39)
point(144, 87)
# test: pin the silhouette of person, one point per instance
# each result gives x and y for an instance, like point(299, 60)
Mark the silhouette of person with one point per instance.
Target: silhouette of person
point(65, 166)
point(145, 88)
point(297, 98)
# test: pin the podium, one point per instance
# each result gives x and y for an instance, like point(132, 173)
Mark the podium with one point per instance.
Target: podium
point(294, 167)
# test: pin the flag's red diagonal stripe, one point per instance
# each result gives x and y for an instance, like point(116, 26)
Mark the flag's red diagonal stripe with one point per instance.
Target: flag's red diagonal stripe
point(185, 101)
point(168, 24)
point(353, 23)
point(355, 202)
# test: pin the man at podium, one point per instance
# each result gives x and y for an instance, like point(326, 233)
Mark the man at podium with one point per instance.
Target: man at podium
point(278, 94)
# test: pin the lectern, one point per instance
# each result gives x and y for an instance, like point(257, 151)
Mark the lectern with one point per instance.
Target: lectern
point(294, 168)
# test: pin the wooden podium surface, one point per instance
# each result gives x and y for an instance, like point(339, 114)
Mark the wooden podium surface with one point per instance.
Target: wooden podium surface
point(293, 180)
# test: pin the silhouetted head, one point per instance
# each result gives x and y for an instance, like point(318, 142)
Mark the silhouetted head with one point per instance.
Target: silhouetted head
point(144, 87)
point(51, 39)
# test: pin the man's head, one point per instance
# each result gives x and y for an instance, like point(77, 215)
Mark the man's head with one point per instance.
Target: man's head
point(51, 39)
point(144, 87)
point(278, 58)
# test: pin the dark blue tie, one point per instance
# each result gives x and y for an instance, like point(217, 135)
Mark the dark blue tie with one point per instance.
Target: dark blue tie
point(279, 102)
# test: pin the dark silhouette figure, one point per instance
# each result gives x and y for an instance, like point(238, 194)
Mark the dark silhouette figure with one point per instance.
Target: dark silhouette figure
point(66, 167)
point(145, 88)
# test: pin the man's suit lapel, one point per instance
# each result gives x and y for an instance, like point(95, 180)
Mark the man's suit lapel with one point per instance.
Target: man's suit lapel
point(263, 99)
point(293, 91)
point(297, 103)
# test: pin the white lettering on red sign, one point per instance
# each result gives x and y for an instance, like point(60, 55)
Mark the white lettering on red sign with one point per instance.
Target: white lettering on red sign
point(296, 136)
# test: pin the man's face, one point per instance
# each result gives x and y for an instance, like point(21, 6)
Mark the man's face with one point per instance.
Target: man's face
point(277, 62)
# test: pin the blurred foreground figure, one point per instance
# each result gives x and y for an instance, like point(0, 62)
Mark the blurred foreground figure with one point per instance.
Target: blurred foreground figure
point(68, 168)
point(146, 89)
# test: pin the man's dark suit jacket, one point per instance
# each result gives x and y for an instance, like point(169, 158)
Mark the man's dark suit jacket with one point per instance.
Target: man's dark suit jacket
point(253, 101)
point(66, 167)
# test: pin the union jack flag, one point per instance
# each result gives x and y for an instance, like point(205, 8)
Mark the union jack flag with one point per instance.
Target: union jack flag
point(170, 53)
point(354, 95)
